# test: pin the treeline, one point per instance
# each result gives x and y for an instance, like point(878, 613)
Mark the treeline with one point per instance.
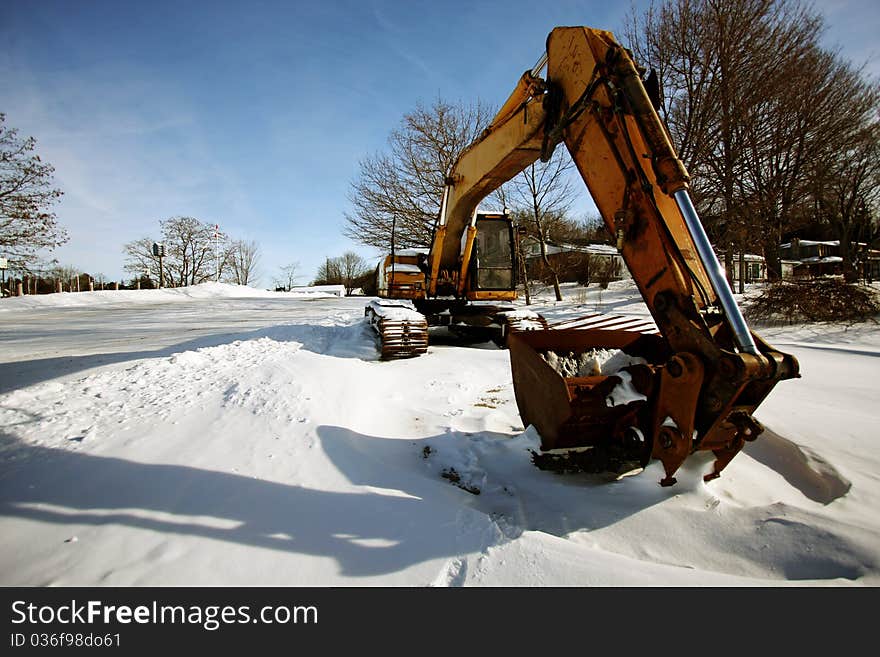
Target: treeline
point(43, 278)
point(779, 134)
point(349, 270)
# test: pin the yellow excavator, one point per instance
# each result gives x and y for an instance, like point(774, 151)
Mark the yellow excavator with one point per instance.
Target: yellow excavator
point(691, 384)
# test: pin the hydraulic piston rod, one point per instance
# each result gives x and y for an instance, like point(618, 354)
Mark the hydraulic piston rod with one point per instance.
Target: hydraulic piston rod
point(541, 63)
point(741, 333)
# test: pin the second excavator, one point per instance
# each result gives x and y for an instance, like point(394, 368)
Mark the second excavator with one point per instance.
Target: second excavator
point(695, 382)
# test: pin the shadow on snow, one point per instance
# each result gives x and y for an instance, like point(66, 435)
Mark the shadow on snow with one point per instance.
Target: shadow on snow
point(401, 514)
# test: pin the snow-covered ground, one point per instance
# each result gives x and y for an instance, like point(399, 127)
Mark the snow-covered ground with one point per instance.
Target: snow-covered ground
point(226, 436)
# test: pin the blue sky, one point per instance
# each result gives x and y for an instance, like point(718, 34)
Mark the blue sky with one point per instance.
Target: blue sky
point(254, 115)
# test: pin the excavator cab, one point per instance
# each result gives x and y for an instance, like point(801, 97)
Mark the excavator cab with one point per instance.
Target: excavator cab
point(494, 263)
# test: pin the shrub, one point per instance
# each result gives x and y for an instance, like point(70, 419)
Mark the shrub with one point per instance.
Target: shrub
point(817, 300)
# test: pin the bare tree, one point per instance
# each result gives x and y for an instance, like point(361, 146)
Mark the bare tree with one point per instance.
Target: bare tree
point(190, 253)
point(329, 272)
point(288, 276)
point(345, 270)
point(190, 247)
point(806, 121)
point(727, 71)
point(398, 193)
point(543, 192)
point(140, 261)
point(242, 258)
point(26, 194)
point(351, 267)
point(847, 191)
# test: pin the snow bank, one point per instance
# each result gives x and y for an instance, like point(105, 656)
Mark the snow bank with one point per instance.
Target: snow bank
point(136, 297)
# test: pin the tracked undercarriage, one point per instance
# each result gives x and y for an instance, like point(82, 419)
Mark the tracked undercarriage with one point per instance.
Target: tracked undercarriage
point(402, 331)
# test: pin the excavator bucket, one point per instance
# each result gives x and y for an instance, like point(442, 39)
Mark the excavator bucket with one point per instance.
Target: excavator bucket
point(627, 393)
point(581, 387)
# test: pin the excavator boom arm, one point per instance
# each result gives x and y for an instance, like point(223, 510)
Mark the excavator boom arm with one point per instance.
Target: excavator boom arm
point(506, 148)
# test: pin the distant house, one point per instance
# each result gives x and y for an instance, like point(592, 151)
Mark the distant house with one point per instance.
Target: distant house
point(574, 261)
point(810, 258)
point(801, 259)
point(752, 269)
point(870, 265)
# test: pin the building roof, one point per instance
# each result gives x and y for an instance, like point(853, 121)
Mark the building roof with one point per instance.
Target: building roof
point(817, 243)
point(568, 247)
point(817, 260)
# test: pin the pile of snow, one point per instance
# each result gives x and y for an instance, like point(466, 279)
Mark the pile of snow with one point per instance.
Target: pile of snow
point(592, 362)
point(397, 310)
point(283, 452)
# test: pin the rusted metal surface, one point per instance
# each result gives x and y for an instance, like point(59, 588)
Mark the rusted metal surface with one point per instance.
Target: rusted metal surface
point(673, 415)
point(574, 411)
point(689, 404)
point(607, 322)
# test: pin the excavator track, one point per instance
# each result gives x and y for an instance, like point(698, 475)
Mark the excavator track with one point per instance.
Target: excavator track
point(402, 331)
point(520, 320)
point(516, 321)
